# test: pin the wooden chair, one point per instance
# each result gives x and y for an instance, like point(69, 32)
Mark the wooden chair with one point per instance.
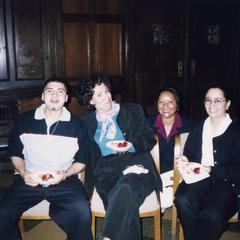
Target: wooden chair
point(180, 141)
point(38, 212)
point(7, 116)
point(28, 103)
point(234, 219)
point(178, 150)
point(149, 208)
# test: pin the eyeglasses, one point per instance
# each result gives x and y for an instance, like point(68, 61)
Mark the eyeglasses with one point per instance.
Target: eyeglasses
point(215, 101)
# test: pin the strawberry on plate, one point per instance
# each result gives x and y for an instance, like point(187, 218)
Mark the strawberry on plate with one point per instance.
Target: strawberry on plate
point(196, 170)
point(44, 177)
point(119, 146)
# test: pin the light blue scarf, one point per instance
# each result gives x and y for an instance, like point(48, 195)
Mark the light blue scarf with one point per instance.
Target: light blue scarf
point(108, 125)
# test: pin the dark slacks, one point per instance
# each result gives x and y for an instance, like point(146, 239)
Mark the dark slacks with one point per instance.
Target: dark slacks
point(205, 207)
point(69, 207)
point(122, 196)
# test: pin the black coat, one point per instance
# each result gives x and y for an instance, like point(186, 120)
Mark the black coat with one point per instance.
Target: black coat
point(166, 148)
point(135, 128)
point(226, 150)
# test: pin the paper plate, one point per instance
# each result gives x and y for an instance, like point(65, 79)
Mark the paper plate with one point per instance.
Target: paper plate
point(193, 172)
point(119, 146)
point(44, 178)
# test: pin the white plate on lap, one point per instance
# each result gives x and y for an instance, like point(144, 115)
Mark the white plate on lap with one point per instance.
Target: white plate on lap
point(119, 146)
point(45, 178)
point(193, 172)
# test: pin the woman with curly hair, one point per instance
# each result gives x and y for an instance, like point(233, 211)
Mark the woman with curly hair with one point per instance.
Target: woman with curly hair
point(122, 168)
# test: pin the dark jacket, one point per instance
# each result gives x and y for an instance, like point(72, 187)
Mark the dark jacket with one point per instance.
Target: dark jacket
point(167, 147)
point(132, 122)
point(226, 150)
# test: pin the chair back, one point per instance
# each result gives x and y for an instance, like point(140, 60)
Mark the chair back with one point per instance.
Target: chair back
point(180, 141)
point(27, 104)
point(155, 154)
point(75, 107)
point(7, 116)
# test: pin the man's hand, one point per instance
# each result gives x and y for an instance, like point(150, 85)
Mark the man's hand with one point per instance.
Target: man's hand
point(59, 177)
point(27, 177)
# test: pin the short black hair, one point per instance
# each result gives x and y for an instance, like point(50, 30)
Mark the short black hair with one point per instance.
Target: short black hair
point(221, 86)
point(57, 79)
point(89, 83)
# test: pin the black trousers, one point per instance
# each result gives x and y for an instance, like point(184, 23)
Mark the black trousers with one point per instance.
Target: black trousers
point(69, 207)
point(122, 196)
point(205, 207)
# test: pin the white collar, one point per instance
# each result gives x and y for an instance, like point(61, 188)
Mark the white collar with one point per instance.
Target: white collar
point(39, 114)
point(207, 139)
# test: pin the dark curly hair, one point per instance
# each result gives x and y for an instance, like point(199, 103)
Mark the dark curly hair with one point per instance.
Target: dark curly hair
point(89, 83)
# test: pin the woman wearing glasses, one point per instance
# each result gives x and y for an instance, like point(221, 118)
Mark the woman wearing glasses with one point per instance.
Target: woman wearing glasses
point(205, 206)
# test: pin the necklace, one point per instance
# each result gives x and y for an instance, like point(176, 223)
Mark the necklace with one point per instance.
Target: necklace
point(54, 129)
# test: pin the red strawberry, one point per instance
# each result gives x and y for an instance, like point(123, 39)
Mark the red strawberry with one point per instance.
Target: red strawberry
point(44, 177)
point(196, 170)
point(120, 145)
point(124, 144)
point(47, 176)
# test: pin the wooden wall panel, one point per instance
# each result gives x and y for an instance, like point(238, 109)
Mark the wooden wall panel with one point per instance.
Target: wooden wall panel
point(77, 49)
point(53, 38)
point(75, 6)
point(28, 39)
point(160, 49)
point(108, 55)
point(108, 7)
point(3, 56)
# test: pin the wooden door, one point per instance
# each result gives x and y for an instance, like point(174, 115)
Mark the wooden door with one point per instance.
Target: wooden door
point(160, 49)
point(30, 42)
point(28, 39)
point(93, 40)
point(213, 48)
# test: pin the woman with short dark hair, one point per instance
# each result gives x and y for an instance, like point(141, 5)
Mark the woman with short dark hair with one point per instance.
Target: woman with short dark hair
point(205, 206)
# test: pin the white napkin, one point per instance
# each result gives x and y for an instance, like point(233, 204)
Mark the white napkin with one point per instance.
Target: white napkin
point(137, 169)
point(167, 178)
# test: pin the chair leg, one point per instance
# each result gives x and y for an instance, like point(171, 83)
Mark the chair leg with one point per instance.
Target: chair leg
point(21, 227)
point(174, 221)
point(93, 226)
point(157, 226)
point(181, 236)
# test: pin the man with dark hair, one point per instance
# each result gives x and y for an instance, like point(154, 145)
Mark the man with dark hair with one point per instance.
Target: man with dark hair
point(48, 148)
